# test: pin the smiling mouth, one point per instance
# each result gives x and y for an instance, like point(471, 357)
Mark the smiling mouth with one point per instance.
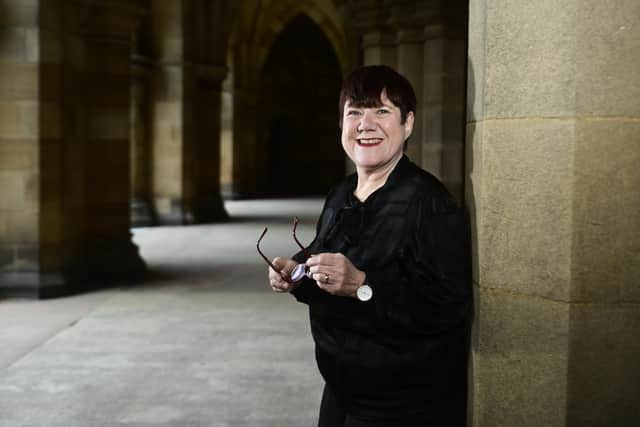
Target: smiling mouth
point(369, 142)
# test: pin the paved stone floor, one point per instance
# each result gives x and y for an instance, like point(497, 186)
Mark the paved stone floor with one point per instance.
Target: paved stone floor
point(202, 342)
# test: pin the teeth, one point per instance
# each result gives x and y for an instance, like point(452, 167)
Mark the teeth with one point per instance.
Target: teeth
point(369, 141)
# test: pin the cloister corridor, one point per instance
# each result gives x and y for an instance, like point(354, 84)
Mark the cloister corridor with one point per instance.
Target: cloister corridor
point(203, 342)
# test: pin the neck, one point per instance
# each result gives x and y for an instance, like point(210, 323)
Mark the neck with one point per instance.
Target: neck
point(369, 180)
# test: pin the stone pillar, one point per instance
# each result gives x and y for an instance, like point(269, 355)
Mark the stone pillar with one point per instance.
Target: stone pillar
point(411, 65)
point(245, 173)
point(552, 163)
point(201, 150)
point(379, 48)
point(186, 111)
point(166, 161)
point(20, 135)
point(98, 45)
point(226, 137)
point(443, 94)
point(68, 224)
point(142, 212)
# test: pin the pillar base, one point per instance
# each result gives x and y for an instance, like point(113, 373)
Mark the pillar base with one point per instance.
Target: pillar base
point(142, 213)
point(208, 209)
point(101, 265)
point(202, 210)
point(33, 284)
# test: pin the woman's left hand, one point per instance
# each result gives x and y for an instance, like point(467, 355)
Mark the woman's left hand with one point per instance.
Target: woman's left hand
point(334, 273)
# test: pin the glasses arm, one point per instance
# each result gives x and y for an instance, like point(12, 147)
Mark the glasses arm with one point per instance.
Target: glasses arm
point(295, 225)
point(283, 275)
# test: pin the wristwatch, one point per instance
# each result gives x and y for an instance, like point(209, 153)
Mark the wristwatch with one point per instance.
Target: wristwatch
point(364, 292)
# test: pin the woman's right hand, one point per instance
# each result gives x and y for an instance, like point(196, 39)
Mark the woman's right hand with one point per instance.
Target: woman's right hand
point(277, 283)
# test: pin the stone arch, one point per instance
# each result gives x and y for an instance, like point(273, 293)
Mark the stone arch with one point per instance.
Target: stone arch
point(255, 30)
point(297, 128)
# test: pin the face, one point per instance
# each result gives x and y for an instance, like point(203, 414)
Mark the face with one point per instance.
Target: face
point(374, 137)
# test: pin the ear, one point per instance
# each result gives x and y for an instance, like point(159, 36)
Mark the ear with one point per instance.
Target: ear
point(408, 125)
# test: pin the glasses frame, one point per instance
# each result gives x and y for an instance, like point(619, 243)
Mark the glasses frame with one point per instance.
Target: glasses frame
point(285, 277)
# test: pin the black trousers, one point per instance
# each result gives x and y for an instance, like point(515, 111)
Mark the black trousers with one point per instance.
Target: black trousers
point(334, 414)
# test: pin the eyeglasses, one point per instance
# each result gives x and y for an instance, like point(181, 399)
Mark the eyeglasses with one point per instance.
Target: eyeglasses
point(300, 270)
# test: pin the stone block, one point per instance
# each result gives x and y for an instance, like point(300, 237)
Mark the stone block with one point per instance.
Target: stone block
point(23, 226)
point(11, 121)
point(13, 45)
point(18, 155)
point(7, 255)
point(12, 188)
point(19, 120)
point(609, 61)
point(452, 162)
point(19, 13)
point(18, 81)
point(443, 125)
point(524, 60)
point(32, 45)
point(476, 62)
point(433, 126)
point(433, 57)
point(519, 361)
point(604, 373)
point(606, 242)
point(381, 55)
point(166, 114)
point(523, 222)
point(27, 258)
point(432, 158)
point(163, 16)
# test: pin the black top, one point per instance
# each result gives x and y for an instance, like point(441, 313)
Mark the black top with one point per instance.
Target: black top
point(405, 350)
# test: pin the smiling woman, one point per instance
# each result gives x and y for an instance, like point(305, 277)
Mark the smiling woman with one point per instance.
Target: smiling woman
point(388, 283)
point(374, 139)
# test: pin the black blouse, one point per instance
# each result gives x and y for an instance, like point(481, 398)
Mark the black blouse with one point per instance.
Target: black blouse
point(405, 350)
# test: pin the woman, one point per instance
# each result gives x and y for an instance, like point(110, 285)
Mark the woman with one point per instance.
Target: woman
point(389, 286)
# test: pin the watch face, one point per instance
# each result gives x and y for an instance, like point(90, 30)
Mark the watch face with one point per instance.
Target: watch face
point(364, 293)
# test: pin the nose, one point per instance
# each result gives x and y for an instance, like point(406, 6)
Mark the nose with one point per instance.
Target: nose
point(367, 121)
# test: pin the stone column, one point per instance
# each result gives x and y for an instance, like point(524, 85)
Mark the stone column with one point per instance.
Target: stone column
point(443, 94)
point(411, 65)
point(142, 212)
point(67, 225)
point(185, 116)
point(226, 137)
point(20, 136)
point(98, 45)
point(201, 149)
point(552, 163)
point(379, 48)
point(166, 125)
point(245, 172)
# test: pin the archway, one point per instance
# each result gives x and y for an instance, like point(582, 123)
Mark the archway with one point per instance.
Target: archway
point(297, 116)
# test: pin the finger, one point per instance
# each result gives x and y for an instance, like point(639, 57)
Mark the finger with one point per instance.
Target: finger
point(279, 262)
point(323, 278)
point(319, 259)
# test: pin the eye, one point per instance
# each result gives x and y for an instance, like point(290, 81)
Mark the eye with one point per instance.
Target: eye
point(353, 112)
point(382, 111)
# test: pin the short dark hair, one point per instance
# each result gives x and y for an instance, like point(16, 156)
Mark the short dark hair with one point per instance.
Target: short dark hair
point(363, 86)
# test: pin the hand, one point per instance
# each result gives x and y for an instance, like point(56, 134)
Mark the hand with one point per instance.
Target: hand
point(286, 266)
point(334, 273)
